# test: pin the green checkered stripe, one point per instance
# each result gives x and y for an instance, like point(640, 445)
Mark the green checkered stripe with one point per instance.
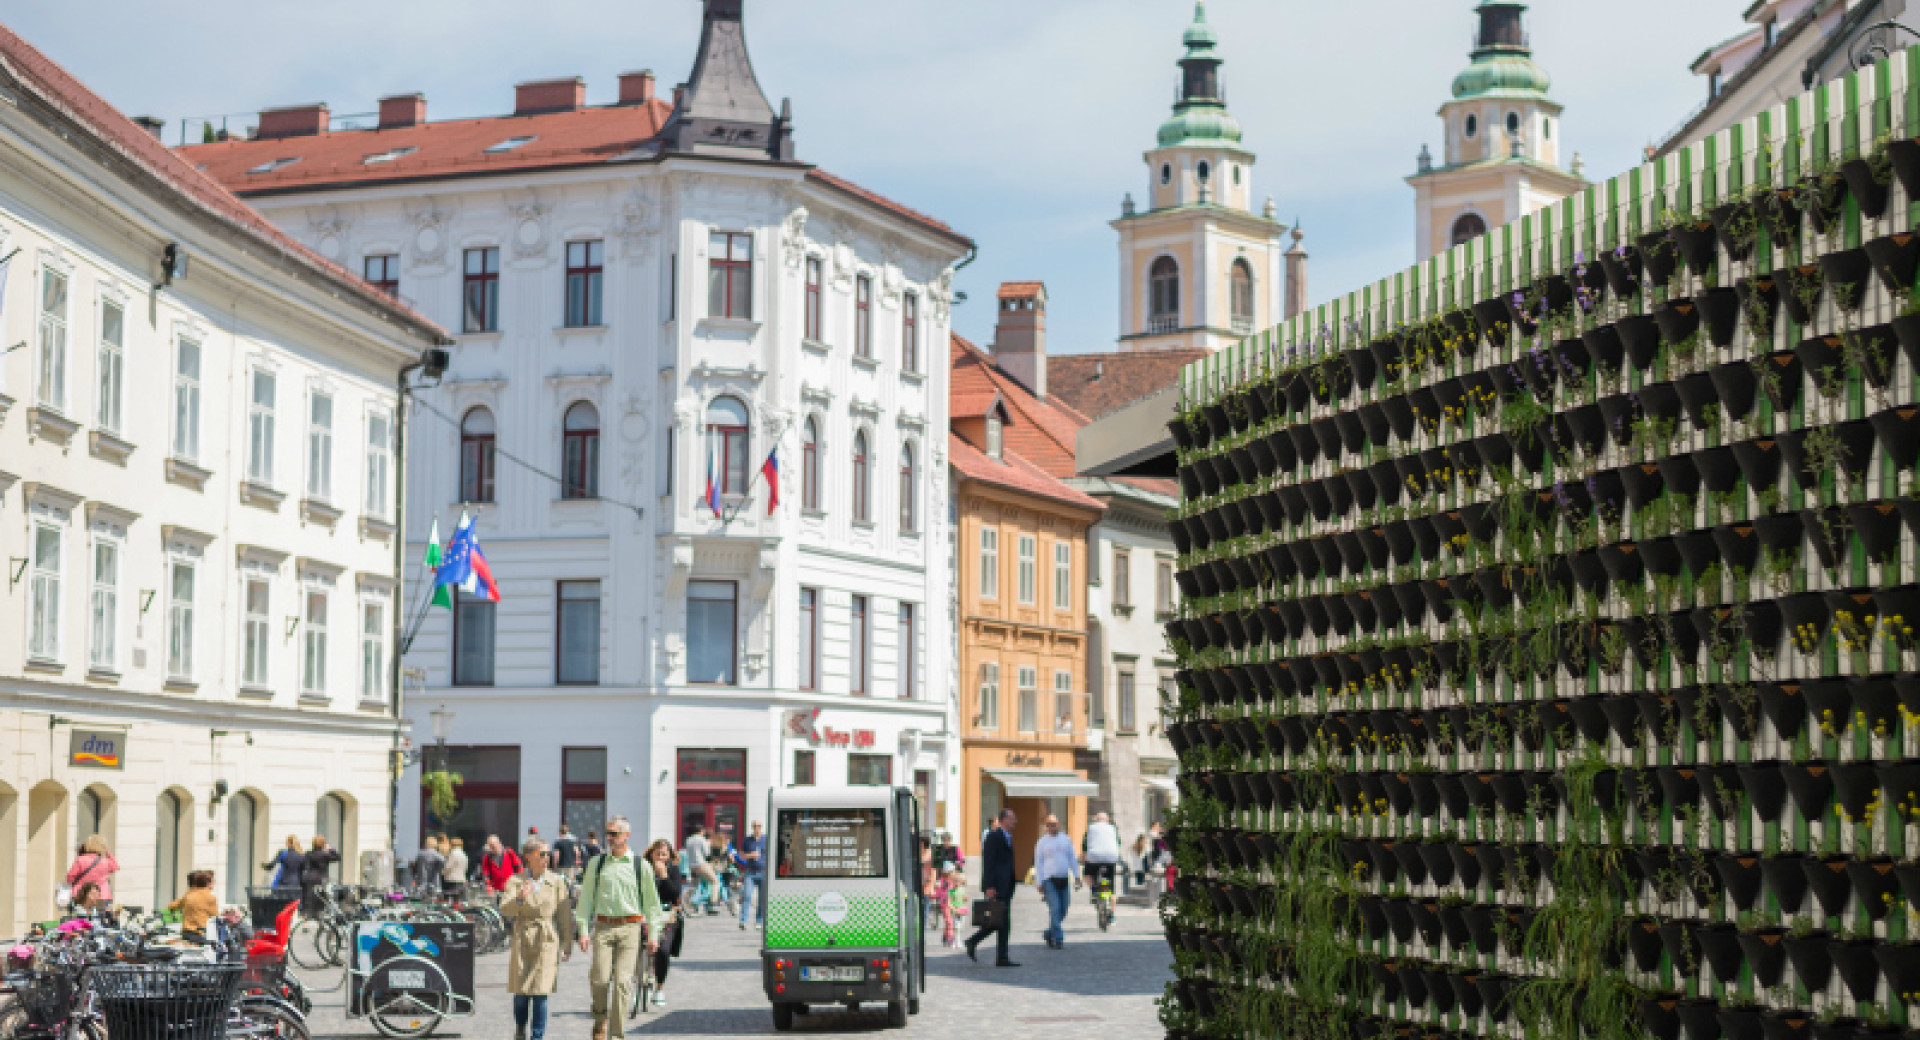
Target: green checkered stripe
point(792, 924)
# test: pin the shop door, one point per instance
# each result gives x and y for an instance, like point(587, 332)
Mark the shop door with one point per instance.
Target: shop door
point(718, 811)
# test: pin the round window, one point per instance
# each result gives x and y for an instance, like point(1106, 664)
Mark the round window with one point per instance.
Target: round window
point(1204, 171)
point(1513, 122)
point(1473, 126)
point(1166, 173)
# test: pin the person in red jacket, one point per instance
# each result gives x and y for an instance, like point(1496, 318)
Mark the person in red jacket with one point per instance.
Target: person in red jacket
point(498, 865)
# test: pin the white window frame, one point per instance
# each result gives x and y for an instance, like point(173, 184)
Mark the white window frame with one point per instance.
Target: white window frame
point(374, 633)
point(186, 398)
point(319, 448)
point(1029, 691)
point(379, 490)
point(43, 620)
point(313, 639)
point(1029, 553)
point(989, 563)
point(50, 328)
point(103, 606)
point(1063, 575)
point(988, 718)
point(1127, 694)
point(256, 633)
point(1062, 701)
point(180, 619)
point(262, 417)
point(110, 364)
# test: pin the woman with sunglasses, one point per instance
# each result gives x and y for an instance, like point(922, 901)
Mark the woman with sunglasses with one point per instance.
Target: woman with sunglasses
point(541, 911)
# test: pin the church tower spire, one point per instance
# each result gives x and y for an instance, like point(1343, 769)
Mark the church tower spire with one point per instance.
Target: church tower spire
point(1200, 266)
point(723, 111)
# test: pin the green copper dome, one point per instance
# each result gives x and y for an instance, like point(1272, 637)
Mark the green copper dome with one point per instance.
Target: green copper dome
point(1201, 126)
point(1200, 116)
point(1504, 74)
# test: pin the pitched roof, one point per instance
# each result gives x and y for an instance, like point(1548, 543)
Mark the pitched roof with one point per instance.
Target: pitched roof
point(1015, 473)
point(1098, 384)
point(190, 187)
point(1021, 290)
point(581, 137)
point(1042, 432)
point(973, 405)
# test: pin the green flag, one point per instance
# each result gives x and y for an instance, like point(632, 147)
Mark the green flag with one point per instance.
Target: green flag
point(441, 596)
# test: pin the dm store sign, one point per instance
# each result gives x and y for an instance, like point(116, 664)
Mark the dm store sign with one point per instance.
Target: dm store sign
point(97, 749)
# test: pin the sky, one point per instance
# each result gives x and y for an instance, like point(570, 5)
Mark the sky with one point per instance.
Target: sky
point(1022, 123)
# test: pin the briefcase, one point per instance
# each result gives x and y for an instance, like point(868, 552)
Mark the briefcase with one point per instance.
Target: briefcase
point(989, 914)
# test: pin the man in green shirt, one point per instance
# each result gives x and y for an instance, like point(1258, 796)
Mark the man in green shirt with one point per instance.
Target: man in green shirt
point(617, 896)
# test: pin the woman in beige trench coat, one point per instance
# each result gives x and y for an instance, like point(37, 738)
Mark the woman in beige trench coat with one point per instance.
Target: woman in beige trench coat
point(541, 913)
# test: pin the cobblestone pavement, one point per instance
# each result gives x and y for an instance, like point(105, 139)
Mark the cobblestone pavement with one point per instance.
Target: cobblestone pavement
point(1101, 987)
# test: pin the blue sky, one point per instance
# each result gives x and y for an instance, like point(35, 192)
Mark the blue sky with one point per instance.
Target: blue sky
point(1020, 122)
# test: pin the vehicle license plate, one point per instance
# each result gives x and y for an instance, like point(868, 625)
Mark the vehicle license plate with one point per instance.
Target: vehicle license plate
point(401, 978)
point(852, 973)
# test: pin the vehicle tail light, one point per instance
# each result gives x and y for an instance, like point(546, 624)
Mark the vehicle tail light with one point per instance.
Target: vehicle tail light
point(886, 976)
point(779, 976)
point(780, 987)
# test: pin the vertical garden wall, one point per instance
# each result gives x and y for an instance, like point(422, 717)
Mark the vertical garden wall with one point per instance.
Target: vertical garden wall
point(1548, 649)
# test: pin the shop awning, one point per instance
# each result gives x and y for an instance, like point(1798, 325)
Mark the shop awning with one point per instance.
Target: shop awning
point(1165, 783)
point(1043, 783)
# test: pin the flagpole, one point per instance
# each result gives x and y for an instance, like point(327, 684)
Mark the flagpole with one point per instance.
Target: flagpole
point(727, 520)
point(420, 612)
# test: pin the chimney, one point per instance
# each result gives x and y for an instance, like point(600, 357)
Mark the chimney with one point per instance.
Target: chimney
point(1296, 275)
point(403, 110)
point(151, 124)
point(549, 95)
point(293, 121)
point(636, 88)
point(680, 98)
point(1020, 340)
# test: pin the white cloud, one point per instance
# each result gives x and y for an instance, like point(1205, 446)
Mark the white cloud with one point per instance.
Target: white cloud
point(1020, 123)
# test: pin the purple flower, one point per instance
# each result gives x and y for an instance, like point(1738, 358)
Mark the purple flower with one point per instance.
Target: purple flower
point(1580, 256)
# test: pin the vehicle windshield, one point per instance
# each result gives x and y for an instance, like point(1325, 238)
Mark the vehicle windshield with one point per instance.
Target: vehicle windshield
point(831, 843)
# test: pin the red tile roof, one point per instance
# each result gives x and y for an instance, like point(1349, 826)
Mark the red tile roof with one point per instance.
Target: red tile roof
point(1021, 290)
point(585, 136)
point(1042, 432)
point(1015, 473)
point(972, 405)
point(58, 88)
point(1099, 384)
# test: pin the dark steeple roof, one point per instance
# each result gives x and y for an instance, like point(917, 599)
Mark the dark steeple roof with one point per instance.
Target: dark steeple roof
point(723, 111)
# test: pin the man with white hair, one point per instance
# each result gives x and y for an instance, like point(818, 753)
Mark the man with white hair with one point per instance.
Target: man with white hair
point(1100, 849)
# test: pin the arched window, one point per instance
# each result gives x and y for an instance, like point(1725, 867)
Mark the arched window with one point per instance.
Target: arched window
point(1513, 122)
point(909, 492)
point(727, 445)
point(1241, 277)
point(476, 456)
point(1472, 126)
point(580, 452)
point(862, 498)
point(1205, 171)
point(810, 466)
point(1165, 298)
point(1468, 228)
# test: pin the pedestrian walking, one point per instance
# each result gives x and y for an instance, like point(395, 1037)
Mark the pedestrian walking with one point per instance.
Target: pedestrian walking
point(1141, 861)
point(428, 865)
point(541, 914)
point(566, 854)
point(613, 908)
point(752, 859)
point(197, 905)
point(498, 865)
point(952, 892)
point(996, 883)
point(667, 882)
point(313, 873)
point(286, 865)
point(591, 847)
point(454, 879)
point(93, 863)
point(698, 851)
point(1055, 870)
point(947, 854)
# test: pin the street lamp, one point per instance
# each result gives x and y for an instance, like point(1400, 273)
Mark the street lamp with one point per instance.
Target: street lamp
point(442, 726)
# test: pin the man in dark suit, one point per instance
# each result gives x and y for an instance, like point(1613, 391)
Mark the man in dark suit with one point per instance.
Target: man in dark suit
point(996, 882)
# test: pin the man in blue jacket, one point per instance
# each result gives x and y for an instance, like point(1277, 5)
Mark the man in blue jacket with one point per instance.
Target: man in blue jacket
point(996, 882)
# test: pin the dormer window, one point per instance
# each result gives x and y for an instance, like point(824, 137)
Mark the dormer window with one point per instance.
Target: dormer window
point(507, 145)
point(274, 164)
point(389, 155)
point(993, 437)
point(1770, 33)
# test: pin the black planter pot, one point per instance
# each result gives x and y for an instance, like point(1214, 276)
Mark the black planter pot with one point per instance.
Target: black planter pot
point(1682, 941)
point(1720, 310)
point(1766, 951)
point(1786, 880)
point(1720, 944)
point(1806, 617)
point(1869, 193)
point(1828, 881)
point(1900, 964)
point(1496, 994)
point(1470, 866)
point(1900, 783)
point(1494, 319)
point(1811, 959)
point(1853, 959)
point(1643, 941)
point(1438, 862)
point(1741, 1023)
point(1736, 226)
point(1642, 482)
point(1855, 785)
point(1640, 335)
point(1894, 258)
point(1659, 255)
point(1697, 392)
point(1622, 267)
point(1801, 295)
point(1697, 243)
point(1846, 272)
point(1811, 785)
point(1623, 713)
point(1466, 992)
point(1874, 883)
point(1766, 788)
point(1678, 319)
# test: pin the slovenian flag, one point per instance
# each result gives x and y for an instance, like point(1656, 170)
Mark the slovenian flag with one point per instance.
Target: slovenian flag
point(464, 567)
point(713, 489)
point(770, 469)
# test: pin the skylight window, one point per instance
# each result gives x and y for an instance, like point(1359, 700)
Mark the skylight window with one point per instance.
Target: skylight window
point(274, 164)
point(507, 145)
point(389, 156)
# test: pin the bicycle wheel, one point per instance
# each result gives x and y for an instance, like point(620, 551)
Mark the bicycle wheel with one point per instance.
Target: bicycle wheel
point(306, 947)
point(412, 1012)
point(266, 1019)
point(641, 990)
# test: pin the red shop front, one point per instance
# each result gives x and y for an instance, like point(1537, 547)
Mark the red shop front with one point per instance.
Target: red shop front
point(710, 791)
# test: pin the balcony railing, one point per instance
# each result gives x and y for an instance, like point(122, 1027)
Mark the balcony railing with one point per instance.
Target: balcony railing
point(1162, 323)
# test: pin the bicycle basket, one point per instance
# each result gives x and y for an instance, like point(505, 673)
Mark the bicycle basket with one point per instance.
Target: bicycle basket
point(264, 904)
point(47, 996)
point(166, 1001)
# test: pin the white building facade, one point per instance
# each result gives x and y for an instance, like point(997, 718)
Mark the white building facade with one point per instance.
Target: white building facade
point(199, 508)
point(640, 313)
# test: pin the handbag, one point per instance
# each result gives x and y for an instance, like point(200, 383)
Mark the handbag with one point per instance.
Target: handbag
point(989, 914)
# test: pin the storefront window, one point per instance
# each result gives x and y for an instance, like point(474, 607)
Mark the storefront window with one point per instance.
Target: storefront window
point(802, 768)
point(488, 793)
point(583, 789)
point(869, 770)
point(712, 766)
